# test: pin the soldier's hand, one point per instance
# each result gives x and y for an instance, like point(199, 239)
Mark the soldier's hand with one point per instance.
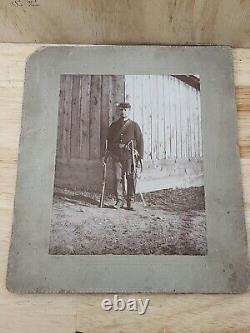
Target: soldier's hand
point(121, 145)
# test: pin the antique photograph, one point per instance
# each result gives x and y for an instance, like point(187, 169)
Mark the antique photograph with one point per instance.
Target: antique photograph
point(129, 176)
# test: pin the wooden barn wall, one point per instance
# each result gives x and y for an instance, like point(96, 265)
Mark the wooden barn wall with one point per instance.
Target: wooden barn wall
point(168, 111)
point(86, 108)
point(87, 105)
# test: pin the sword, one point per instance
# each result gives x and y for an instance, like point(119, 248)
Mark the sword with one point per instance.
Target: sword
point(131, 142)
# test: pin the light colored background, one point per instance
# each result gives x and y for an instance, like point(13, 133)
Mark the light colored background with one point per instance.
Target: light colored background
point(68, 313)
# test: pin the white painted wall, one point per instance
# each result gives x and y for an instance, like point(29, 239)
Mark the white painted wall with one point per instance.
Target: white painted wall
point(168, 111)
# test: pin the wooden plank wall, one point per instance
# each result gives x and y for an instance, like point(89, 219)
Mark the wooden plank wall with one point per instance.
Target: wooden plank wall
point(168, 111)
point(86, 107)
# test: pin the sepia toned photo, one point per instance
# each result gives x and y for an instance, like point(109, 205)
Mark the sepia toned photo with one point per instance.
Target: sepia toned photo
point(121, 173)
point(129, 168)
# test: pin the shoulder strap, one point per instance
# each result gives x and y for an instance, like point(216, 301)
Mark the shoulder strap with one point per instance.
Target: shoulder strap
point(122, 129)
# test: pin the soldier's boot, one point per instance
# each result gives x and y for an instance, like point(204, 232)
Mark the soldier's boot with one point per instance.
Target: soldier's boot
point(119, 204)
point(129, 205)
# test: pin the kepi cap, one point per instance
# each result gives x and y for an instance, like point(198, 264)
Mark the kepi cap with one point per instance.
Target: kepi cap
point(123, 105)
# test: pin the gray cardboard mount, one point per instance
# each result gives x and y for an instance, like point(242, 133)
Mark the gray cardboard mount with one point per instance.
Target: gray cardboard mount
point(224, 270)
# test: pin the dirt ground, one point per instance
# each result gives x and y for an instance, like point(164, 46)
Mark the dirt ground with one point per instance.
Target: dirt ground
point(173, 222)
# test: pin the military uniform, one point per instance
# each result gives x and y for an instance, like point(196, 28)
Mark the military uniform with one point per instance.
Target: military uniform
point(120, 134)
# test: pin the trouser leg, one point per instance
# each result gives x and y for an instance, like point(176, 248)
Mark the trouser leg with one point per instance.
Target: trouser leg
point(130, 187)
point(118, 180)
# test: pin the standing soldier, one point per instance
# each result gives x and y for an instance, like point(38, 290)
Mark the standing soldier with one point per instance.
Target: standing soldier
point(124, 139)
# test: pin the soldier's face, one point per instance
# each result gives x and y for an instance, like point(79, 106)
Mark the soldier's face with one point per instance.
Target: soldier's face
point(124, 113)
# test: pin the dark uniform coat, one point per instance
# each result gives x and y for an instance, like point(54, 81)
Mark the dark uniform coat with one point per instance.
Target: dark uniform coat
point(131, 132)
point(120, 133)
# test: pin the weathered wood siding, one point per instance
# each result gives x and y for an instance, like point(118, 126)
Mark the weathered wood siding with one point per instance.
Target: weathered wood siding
point(168, 111)
point(86, 108)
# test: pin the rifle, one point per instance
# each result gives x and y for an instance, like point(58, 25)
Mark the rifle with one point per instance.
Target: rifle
point(104, 175)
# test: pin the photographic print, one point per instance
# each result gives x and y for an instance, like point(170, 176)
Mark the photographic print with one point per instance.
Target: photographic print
point(129, 166)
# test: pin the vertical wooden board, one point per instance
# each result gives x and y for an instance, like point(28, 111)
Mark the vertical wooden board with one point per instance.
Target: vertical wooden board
point(75, 117)
point(128, 89)
point(196, 119)
point(194, 111)
point(166, 116)
point(161, 118)
point(174, 115)
point(190, 127)
point(143, 79)
point(184, 108)
point(130, 93)
point(59, 146)
point(198, 101)
point(178, 118)
point(134, 101)
point(152, 118)
point(113, 107)
point(134, 111)
point(106, 108)
point(173, 119)
point(182, 120)
point(164, 111)
point(84, 116)
point(67, 117)
point(179, 86)
point(185, 121)
point(117, 95)
point(199, 138)
point(133, 116)
point(94, 120)
point(136, 87)
point(192, 124)
point(192, 120)
point(121, 87)
point(169, 116)
point(113, 114)
point(156, 98)
point(155, 115)
point(138, 98)
point(147, 114)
